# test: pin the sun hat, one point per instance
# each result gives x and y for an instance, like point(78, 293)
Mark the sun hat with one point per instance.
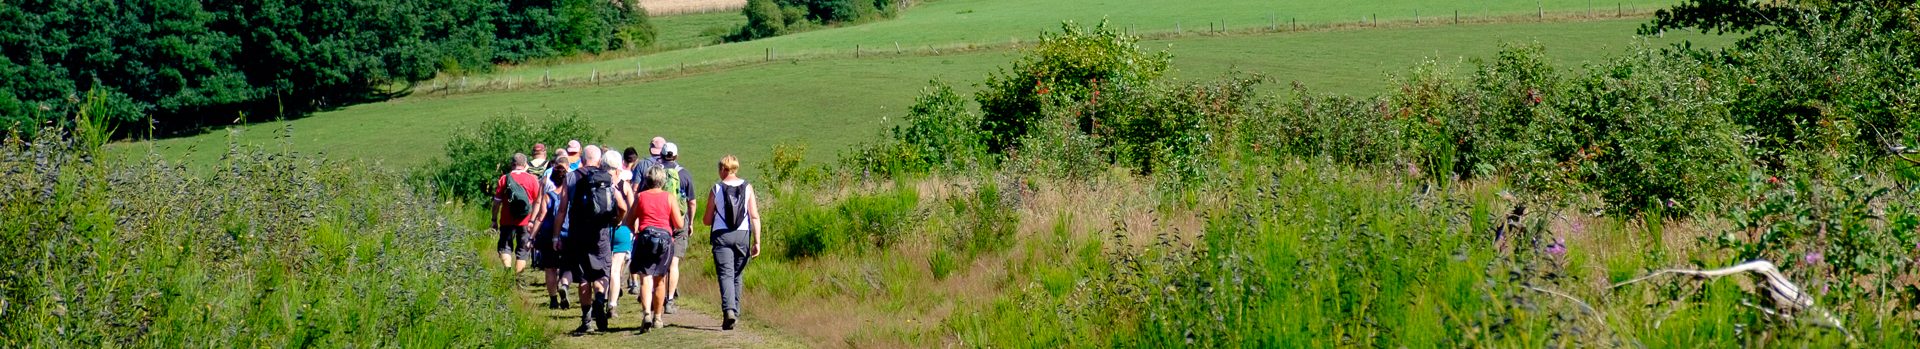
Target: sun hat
point(670, 150)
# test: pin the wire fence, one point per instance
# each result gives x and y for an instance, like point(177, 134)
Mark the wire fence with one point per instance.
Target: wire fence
point(644, 70)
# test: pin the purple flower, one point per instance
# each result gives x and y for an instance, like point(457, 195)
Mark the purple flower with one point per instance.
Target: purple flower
point(1558, 248)
point(1814, 258)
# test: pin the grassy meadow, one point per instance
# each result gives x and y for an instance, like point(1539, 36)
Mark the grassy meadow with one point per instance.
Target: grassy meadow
point(948, 24)
point(830, 104)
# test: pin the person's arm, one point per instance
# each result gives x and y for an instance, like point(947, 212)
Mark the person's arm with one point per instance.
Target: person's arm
point(494, 220)
point(707, 216)
point(753, 215)
point(678, 221)
point(566, 206)
point(686, 186)
point(539, 208)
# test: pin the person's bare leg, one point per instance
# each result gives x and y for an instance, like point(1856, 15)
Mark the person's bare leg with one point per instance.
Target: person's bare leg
point(506, 260)
point(646, 306)
point(553, 285)
point(618, 267)
point(673, 278)
point(659, 300)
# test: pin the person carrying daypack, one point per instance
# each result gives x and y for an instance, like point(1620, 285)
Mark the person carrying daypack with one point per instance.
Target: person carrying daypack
point(591, 210)
point(655, 219)
point(734, 215)
point(679, 182)
point(516, 197)
point(546, 238)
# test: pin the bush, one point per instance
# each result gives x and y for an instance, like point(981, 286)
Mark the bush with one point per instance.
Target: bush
point(940, 129)
point(1063, 68)
point(268, 249)
point(475, 158)
point(764, 20)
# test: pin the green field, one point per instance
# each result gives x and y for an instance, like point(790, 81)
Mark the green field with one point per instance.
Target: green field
point(691, 30)
point(950, 23)
point(829, 104)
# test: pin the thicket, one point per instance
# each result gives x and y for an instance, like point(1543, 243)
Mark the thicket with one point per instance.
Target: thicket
point(770, 18)
point(265, 249)
point(1791, 146)
point(169, 66)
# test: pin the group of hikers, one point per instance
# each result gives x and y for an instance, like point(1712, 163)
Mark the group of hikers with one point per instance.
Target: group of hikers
point(601, 219)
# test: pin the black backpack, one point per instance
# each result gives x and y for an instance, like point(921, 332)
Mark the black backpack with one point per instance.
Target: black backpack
point(732, 204)
point(593, 198)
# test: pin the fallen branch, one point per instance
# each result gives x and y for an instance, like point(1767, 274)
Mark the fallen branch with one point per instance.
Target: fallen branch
point(1786, 297)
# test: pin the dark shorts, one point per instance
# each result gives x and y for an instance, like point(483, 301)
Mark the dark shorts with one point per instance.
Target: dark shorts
point(680, 243)
point(587, 258)
point(514, 240)
point(544, 256)
point(652, 265)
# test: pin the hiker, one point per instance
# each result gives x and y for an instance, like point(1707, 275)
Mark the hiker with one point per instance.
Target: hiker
point(539, 163)
point(734, 215)
point(573, 151)
point(514, 203)
point(654, 216)
point(590, 210)
point(546, 239)
point(622, 235)
point(680, 184)
point(636, 164)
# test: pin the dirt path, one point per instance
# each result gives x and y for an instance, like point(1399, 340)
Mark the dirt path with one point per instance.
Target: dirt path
point(695, 324)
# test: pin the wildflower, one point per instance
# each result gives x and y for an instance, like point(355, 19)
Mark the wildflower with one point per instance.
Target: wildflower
point(1773, 180)
point(1814, 258)
point(1558, 248)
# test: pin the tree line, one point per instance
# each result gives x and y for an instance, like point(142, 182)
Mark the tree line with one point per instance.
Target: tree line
point(191, 64)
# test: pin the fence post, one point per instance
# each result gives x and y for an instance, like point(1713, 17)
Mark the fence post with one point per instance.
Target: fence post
point(896, 48)
point(1273, 21)
point(1176, 28)
point(547, 78)
point(509, 84)
point(769, 54)
point(856, 50)
point(463, 83)
point(1416, 16)
point(594, 76)
point(1619, 10)
point(638, 70)
point(1589, 8)
point(1296, 23)
point(1456, 17)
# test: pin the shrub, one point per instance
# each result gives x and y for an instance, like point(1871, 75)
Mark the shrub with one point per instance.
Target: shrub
point(788, 164)
point(940, 129)
point(475, 158)
point(1063, 68)
point(764, 20)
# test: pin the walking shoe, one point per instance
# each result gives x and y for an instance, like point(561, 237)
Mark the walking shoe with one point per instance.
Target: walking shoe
point(553, 303)
point(563, 302)
point(670, 304)
point(659, 321)
point(727, 324)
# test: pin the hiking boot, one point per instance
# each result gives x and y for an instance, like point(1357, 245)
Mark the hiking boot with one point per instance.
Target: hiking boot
point(581, 331)
point(600, 310)
point(727, 324)
point(553, 303)
point(563, 302)
point(659, 321)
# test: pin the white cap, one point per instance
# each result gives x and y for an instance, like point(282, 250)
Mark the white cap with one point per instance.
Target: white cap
point(670, 150)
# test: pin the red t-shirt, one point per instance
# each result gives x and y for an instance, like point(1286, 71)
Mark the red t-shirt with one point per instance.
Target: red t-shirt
point(656, 209)
point(501, 194)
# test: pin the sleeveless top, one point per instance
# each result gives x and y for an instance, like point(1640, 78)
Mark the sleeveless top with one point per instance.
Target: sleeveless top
point(656, 209)
point(730, 206)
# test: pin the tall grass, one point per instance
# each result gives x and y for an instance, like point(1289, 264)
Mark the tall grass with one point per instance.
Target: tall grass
point(269, 249)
